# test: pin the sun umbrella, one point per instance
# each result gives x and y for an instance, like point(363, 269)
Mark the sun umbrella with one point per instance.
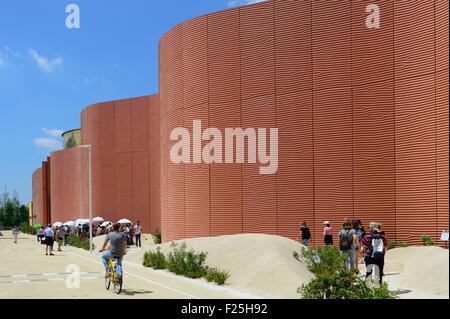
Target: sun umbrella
point(69, 223)
point(97, 220)
point(106, 224)
point(37, 226)
point(124, 221)
point(80, 222)
point(57, 224)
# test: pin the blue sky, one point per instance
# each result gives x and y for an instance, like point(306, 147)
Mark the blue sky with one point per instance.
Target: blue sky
point(49, 73)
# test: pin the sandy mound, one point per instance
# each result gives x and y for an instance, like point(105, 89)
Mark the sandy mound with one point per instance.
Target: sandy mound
point(425, 270)
point(258, 264)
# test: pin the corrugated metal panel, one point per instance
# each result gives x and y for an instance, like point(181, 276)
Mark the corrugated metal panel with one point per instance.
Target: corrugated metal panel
point(163, 77)
point(139, 124)
point(293, 40)
point(164, 162)
point(257, 50)
point(124, 186)
point(226, 179)
point(295, 173)
point(442, 149)
point(441, 17)
point(414, 38)
point(196, 186)
point(141, 189)
point(195, 61)
point(415, 158)
point(122, 126)
point(259, 193)
point(374, 154)
point(175, 185)
point(154, 161)
point(224, 56)
point(331, 29)
point(333, 166)
point(372, 49)
point(175, 69)
point(103, 161)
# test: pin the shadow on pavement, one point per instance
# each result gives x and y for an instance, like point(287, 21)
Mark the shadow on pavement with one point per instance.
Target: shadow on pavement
point(403, 291)
point(130, 292)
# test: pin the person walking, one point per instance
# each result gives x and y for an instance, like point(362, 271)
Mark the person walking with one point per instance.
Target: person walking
point(347, 243)
point(15, 233)
point(137, 233)
point(40, 234)
point(360, 233)
point(327, 234)
point(305, 233)
point(375, 247)
point(49, 239)
point(59, 237)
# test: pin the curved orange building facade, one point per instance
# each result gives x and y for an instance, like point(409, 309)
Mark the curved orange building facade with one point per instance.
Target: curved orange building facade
point(362, 116)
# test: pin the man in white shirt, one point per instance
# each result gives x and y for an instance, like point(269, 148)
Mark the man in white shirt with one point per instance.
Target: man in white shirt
point(49, 239)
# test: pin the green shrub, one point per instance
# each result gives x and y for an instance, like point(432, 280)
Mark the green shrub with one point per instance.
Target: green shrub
point(25, 228)
point(325, 260)
point(394, 244)
point(189, 263)
point(76, 241)
point(426, 240)
point(332, 279)
point(218, 276)
point(157, 236)
point(156, 260)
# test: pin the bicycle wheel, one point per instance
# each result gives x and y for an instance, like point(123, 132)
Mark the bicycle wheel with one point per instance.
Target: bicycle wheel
point(107, 282)
point(118, 285)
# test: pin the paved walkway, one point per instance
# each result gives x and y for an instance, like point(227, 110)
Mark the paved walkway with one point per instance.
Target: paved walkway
point(25, 272)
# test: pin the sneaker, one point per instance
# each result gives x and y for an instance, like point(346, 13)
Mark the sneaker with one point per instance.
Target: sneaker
point(46, 254)
point(52, 254)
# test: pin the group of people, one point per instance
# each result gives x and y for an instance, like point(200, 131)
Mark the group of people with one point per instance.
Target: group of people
point(48, 235)
point(355, 243)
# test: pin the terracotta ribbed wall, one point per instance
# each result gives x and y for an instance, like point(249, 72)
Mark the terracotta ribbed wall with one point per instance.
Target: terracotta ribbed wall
point(38, 197)
point(69, 184)
point(362, 117)
point(125, 139)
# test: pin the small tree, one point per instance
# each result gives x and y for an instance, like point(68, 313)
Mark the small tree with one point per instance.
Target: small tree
point(426, 240)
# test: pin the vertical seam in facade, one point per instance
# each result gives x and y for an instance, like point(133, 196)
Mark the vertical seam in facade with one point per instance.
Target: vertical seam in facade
point(209, 100)
point(149, 164)
point(435, 122)
point(312, 122)
point(115, 164)
point(242, 121)
point(183, 117)
point(351, 99)
point(132, 158)
point(395, 119)
point(275, 102)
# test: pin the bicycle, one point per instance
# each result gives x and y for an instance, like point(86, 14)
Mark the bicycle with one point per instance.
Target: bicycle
point(115, 276)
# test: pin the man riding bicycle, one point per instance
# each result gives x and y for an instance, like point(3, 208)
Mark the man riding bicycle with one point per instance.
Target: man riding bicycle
point(117, 248)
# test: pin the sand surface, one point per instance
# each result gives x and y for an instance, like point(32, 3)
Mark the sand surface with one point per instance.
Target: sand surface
point(420, 272)
point(263, 265)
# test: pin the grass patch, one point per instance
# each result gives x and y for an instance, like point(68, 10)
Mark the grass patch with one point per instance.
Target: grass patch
point(76, 241)
point(217, 276)
point(185, 262)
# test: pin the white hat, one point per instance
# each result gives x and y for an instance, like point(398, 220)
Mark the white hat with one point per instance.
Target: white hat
point(326, 222)
point(374, 225)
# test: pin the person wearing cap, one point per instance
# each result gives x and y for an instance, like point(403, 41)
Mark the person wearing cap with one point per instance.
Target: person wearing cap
point(327, 233)
point(375, 246)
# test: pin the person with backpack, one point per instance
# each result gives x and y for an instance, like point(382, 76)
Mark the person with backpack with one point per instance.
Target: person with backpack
point(306, 234)
point(360, 233)
point(347, 243)
point(375, 246)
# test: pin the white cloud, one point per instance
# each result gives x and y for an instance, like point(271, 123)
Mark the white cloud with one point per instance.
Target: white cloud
point(44, 63)
point(237, 3)
point(51, 143)
point(53, 132)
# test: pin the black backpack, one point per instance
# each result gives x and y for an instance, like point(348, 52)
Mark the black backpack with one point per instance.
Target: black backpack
point(345, 243)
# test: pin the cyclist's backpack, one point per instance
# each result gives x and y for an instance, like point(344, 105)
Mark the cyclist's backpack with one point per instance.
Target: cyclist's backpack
point(345, 243)
point(377, 246)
